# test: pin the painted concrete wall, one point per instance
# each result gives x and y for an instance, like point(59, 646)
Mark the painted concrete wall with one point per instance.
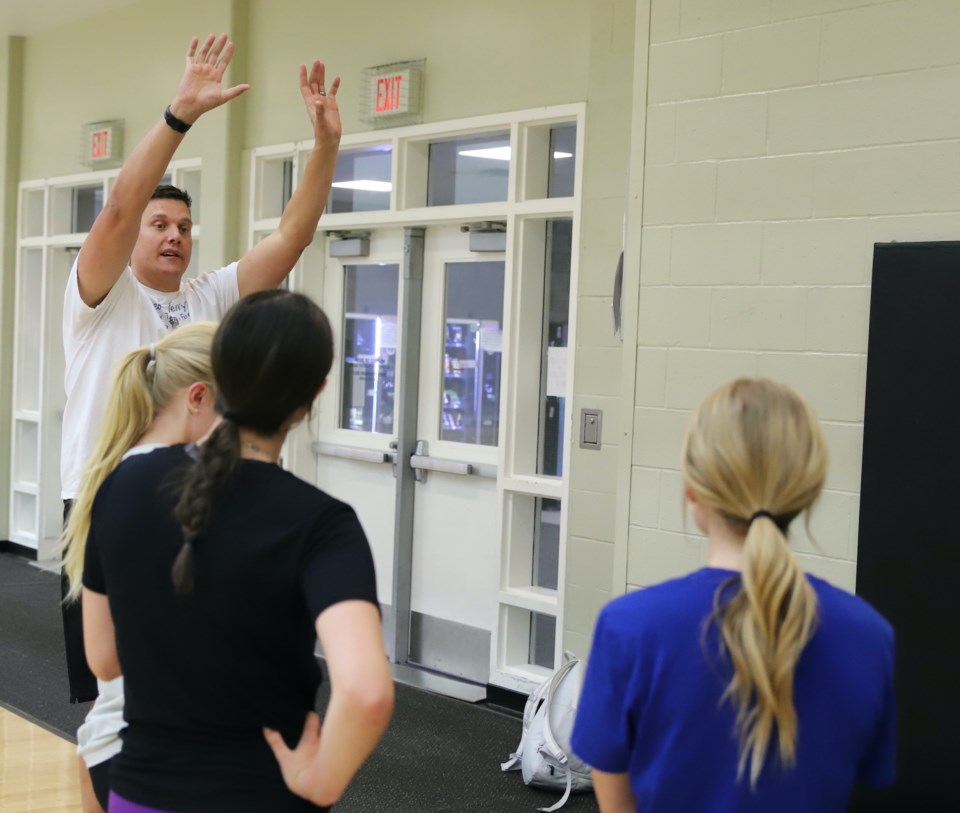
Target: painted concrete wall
point(784, 138)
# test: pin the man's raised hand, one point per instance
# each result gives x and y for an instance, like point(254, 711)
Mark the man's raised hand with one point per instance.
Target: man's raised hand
point(200, 89)
point(321, 104)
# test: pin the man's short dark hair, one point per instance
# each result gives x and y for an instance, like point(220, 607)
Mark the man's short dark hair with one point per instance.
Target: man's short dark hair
point(167, 192)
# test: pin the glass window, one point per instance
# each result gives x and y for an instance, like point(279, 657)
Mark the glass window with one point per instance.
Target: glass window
point(469, 170)
point(275, 181)
point(191, 182)
point(563, 150)
point(546, 543)
point(473, 339)
point(86, 203)
point(543, 637)
point(361, 182)
point(369, 347)
point(559, 236)
point(286, 188)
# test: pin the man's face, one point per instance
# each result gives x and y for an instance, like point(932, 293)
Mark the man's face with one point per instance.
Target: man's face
point(162, 252)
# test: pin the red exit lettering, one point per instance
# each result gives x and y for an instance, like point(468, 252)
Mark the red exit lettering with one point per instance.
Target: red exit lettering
point(388, 93)
point(100, 148)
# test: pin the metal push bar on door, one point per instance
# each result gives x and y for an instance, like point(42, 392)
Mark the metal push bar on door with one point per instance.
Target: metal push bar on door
point(351, 452)
point(421, 463)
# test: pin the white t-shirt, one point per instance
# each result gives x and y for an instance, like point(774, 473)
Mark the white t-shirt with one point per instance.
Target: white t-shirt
point(98, 738)
point(94, 339)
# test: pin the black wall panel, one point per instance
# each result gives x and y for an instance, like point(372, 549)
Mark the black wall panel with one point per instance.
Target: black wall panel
point(908, 562)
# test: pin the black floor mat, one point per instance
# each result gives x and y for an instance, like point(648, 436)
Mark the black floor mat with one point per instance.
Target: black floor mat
point(438, 754)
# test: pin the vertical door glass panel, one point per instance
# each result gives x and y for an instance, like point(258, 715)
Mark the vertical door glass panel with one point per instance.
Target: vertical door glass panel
point(563, 150)
point(24, 514)
point(361, 182)
point(31, 213)
point(86, 203)
point(193, 270)
point(191, 183)
point(27, 444)
point(473, 345)
point(546, 544)
point(369, 354)
point(469, 170)
point(543, 637)
point(29, 330)
point(559, 236)
point(276, 186)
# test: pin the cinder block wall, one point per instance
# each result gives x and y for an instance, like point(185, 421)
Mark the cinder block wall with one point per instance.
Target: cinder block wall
point(784, 138)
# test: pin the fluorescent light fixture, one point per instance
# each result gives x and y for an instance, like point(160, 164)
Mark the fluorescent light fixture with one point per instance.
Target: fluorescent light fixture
point(496, 153)
point(502, 153)
point(365, 186)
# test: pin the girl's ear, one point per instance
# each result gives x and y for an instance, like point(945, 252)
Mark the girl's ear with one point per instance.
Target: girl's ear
point(196, 393)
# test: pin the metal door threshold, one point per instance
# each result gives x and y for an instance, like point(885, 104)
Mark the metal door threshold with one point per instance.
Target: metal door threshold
point(439, 684)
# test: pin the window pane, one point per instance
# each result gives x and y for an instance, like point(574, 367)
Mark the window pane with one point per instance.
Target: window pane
point(546, 544)
point(469, 170)
point(361, 182)
point(473, 324)
point(86, 205)
point(556, 328)
point(369, 347)
point(286, 191)
point(563, 150)
point(543, 636)
point(192, 182)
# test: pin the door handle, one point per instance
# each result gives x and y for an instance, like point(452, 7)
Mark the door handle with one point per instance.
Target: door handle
point(421, 463)
point(351, 452)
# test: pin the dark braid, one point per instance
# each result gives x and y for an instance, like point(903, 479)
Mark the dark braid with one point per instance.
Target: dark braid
point(217, 459)
point(270, 357)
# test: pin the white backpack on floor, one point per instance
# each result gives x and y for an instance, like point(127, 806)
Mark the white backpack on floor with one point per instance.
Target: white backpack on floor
point(544, 756)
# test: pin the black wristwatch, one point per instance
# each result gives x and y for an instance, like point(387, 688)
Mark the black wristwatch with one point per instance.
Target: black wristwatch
point(174, 123)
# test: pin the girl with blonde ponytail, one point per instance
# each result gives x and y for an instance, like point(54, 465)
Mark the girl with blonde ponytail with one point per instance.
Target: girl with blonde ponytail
point(161, 394)
point(747, 685)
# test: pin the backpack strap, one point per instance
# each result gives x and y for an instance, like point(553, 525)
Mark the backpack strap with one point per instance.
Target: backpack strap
point(549, 740)
point(566, 794)
point(529, 711)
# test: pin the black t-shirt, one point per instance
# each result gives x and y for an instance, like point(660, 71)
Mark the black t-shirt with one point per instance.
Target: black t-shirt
point(206, 671)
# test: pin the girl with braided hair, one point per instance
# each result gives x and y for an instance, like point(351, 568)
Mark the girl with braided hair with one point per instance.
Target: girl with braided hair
point(240, 566)
point(748, 685)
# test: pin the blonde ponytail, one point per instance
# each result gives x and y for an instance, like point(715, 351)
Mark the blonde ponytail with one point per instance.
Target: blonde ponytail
point(764, 629)
point(144, 383)
point(755, 454)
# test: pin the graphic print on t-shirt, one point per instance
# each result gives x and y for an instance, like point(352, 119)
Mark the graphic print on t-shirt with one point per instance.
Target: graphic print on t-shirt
point(173, 312)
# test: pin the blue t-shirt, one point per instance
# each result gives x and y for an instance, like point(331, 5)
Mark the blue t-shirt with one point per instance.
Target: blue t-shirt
point(651, 704)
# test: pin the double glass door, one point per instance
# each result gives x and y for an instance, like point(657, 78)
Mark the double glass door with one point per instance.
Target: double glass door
point(410, 432)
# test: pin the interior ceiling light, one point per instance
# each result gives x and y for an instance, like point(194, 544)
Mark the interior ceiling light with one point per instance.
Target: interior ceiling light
point(496, 153)
point(502, 153)
point(365, 186)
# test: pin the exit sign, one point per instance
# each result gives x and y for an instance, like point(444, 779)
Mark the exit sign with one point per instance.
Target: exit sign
point(101, 144)
point(392, 94)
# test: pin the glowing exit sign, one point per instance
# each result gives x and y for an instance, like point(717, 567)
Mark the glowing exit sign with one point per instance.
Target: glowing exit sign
point(101, 144)
point(393, 93)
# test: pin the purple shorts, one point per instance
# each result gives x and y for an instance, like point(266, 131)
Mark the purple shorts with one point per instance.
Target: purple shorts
point(120, 805)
